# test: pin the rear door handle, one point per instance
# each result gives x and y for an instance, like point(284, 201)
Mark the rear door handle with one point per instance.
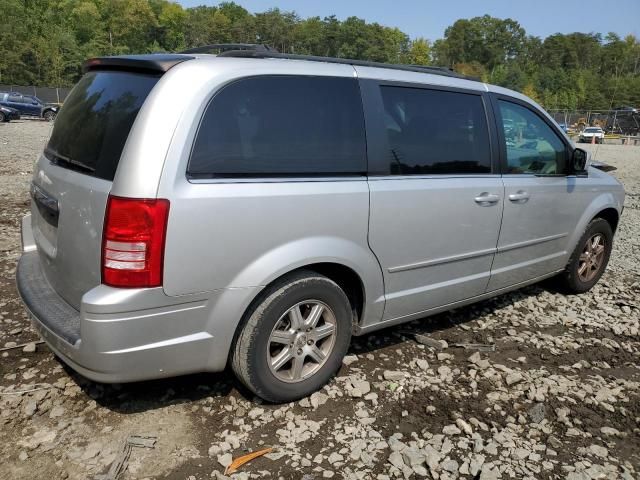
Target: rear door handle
point(486, 199)
point(519, 197)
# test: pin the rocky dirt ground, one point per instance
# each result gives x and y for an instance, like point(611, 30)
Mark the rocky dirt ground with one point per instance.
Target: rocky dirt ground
point(558, 398)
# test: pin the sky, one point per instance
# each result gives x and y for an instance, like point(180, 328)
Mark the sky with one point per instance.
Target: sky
point(429, 18)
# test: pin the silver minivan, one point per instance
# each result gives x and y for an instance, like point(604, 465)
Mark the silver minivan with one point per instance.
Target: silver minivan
point(258, 209)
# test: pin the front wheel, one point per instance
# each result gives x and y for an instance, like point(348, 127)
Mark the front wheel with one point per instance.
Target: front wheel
point(294, 339)
point(49, 115)
point(589, 259)
point(3, 118)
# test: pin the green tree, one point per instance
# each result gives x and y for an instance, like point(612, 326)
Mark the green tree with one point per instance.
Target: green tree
point(419, 52)
point(172, 22)
point(46, 41)
point(486, 40)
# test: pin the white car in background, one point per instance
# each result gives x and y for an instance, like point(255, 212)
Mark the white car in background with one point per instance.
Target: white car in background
point(588, 134)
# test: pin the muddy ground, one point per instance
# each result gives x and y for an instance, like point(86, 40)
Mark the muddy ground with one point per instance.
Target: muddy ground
point(558, 398)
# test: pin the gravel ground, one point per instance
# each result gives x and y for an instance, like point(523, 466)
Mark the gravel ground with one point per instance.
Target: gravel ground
point(558, 398)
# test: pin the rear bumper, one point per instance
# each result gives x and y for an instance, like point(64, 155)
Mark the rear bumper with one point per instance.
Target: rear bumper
point(129, 335)
point(57, 316)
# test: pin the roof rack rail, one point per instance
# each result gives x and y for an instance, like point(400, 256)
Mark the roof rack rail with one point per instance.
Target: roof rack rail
point(447, 72)
point(236, 47)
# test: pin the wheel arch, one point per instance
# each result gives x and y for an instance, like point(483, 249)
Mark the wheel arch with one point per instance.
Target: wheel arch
point(350, 264)
point(344, 276)
point(611, 215)
point(606, 206)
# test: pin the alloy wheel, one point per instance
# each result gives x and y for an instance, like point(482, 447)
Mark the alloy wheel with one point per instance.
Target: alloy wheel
point(591, 258)
point(301, 341)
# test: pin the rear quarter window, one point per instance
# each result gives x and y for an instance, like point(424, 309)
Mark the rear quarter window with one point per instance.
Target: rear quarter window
point(281, 125)
point(93, 125)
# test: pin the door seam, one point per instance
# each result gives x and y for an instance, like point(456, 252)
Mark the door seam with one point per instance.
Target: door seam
point(504, 190)
point(384, 285)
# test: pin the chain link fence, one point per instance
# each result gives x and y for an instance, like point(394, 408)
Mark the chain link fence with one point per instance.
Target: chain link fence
point(46, 94)
point(623, 122)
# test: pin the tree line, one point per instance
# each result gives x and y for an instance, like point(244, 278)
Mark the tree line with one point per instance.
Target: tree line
point(44, 42)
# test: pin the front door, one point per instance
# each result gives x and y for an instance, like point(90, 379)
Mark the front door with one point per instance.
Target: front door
point(436, 205)
point(542, 204)
point(33, 106)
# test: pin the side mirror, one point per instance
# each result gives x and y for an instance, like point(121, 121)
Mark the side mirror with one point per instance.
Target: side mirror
point(579, 159)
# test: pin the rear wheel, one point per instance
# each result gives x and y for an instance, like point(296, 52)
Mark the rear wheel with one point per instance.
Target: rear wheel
point(294, 339)
point(589, 259)
point(3, 118)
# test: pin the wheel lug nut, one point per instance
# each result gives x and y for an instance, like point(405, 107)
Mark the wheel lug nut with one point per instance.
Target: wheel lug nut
point(309, 342)
point(299, 351)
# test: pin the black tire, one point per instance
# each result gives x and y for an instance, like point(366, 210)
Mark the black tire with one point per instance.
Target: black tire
point(3, 118)
point(570, 281)
point(252, 346)
point(49, 115)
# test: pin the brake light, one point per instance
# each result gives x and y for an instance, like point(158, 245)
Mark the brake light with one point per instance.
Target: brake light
point(133, 242)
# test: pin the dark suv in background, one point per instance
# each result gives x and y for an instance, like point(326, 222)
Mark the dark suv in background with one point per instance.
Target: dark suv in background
point(29, 105)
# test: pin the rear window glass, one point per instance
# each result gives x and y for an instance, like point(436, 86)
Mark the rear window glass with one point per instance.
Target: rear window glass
point(282, 125)
point(93, 124)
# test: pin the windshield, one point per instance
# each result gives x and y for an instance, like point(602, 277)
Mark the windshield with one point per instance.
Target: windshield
point(592, 130)
point(93, 125)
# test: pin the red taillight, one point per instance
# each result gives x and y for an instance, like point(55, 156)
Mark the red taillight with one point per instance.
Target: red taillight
point(133, 242)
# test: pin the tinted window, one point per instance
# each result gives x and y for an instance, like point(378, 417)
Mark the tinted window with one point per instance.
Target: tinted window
point(94, 123)
point(16, 98)
point(435, 132)
point(281, 125)
point(532, 146)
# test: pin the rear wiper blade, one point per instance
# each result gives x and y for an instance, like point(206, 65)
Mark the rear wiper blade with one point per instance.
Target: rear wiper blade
point(58, 159)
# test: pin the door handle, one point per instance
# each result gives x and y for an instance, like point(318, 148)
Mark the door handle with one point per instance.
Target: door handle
point(519, 197)
point(486, 199)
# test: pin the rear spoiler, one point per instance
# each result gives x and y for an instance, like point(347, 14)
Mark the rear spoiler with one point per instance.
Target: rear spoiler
point(152, 63)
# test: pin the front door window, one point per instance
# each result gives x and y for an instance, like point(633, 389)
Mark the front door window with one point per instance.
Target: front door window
point(532, 146)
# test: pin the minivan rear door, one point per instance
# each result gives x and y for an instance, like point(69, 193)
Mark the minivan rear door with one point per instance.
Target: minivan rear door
point(436, 200)
point(73, 178)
